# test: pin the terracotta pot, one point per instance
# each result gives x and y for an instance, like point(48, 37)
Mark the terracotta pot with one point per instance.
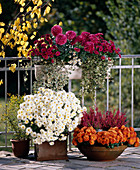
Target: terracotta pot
point(45, 152)
point(95, 153)
point(20, 148)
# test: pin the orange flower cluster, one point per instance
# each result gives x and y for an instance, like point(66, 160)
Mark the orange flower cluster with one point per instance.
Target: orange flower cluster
point(130, 136)
point(116, 135)
point(85, 134)
point(113, 136)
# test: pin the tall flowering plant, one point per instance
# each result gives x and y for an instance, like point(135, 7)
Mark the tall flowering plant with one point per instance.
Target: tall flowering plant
point(91, 52)
point(49, 115)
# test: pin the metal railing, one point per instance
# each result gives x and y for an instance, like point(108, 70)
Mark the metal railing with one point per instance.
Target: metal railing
point(5, 69)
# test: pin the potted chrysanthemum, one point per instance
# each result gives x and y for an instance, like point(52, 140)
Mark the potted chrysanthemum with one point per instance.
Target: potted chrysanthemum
point(48, 117)
point(103, 137)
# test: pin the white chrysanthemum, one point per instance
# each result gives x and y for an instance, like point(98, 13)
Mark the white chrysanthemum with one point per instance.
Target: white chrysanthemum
point(56, 133)
point(70, 129)
point(26, 121)
point(74, 124)
point(73, 114)
point(19, 124)
point(23, 117)
point(28, 130)
point(63, 138)
point(61, 118)
point(33, 134)
point(46, 94)
point(38, 135)
point(19, 116)
point(51, 143)
point(43, 113)
point(84, 108)
point(54, 111)
point(38, 141)
point(23, 127)
point(30, 117)
point(22, 105)
point(36, 100)
point(35, 116)
point(39, 124)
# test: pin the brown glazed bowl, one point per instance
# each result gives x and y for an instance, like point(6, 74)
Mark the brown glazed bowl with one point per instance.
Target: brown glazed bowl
point(97, 153)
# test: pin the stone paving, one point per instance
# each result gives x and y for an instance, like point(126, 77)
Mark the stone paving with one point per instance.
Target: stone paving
point(129, 160)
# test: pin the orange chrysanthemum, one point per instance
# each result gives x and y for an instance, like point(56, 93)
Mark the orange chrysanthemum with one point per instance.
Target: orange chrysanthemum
point(80, 140)
point(86, 138)
point(131, 141)
point(91, 142)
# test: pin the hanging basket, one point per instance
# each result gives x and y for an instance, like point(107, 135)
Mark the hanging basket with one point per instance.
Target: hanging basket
point(76, 73)
point(45, 152)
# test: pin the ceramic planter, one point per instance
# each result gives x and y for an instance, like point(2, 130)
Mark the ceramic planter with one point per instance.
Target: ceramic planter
point(20, 148)
point(45, 152)
point(75, 74)
point(100, 153)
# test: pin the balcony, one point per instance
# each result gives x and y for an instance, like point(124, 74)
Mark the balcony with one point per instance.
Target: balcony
point(127, 62)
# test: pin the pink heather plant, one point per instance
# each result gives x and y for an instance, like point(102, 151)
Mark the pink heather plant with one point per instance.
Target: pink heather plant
point(103, 121)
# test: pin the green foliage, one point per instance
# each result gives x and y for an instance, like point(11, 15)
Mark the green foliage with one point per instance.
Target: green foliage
point(80, 15)
point(123, 24)
point(10, 116)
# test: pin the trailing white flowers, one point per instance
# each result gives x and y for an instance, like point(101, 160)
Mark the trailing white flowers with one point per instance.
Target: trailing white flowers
point(49, 115)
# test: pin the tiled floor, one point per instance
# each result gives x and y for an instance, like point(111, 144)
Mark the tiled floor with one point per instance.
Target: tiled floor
point(129, 159)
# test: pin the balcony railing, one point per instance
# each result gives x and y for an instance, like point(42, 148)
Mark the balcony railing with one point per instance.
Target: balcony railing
point(119, 67)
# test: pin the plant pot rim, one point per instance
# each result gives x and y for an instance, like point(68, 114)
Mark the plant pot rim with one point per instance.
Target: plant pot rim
point(17, 140)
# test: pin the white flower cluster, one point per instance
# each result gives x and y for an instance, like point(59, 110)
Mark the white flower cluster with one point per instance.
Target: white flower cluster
point(49, 115)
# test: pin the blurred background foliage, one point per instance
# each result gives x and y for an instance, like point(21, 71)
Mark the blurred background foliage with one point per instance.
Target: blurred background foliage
point(117, 20)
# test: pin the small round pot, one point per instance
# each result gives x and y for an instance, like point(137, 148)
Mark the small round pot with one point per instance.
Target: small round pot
point(20, 148)
point(97, 153)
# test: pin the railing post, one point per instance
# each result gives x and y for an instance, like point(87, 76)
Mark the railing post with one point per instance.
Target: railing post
point(132, 93)
point(18, 80)
point(6, 101)
point(69, 89)
point(120, 77)
point(31, 78)
point(107, 105)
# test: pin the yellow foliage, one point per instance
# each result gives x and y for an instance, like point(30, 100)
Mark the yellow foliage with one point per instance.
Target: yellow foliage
point(47, 11)
point(2, 24)
point(60, 23)
point(46, 20)
point(2, 53)
point(42, 19)
point(29, 9)
point(0, 8)
point(21, 9)
point(32, 37)
point(1, 82)
point(2, 30)
point(13, 67)
point(39, 3)
point(16, 35)
point(35, 25)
